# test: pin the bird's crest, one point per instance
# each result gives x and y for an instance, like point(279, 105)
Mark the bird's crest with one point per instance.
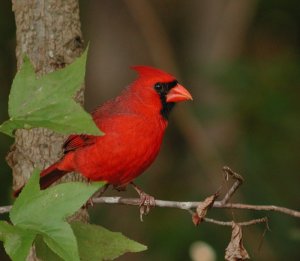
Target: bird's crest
point(152, 73)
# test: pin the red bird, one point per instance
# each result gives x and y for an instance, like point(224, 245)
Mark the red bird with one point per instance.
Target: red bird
point(134, 124)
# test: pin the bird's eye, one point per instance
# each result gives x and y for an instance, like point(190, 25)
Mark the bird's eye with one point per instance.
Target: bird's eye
point(158, 86)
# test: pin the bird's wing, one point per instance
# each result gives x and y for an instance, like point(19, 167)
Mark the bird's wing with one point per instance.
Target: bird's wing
point(110, 118)
point(78, 141)
point(106, 120)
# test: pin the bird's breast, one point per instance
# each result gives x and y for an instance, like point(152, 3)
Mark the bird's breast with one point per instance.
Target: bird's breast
point(129, 146)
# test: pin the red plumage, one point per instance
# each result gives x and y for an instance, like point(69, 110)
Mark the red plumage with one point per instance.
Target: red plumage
point(134, 124)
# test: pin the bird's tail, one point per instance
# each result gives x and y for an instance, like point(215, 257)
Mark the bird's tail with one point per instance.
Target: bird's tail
point(47, 177)
point(51, 174)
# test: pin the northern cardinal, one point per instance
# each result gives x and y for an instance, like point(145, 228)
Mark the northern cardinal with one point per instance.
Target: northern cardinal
point(134, 124)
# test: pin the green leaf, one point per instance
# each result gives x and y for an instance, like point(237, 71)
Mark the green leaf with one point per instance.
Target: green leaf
point(62, 241)
point(43, 252)
point(17, 241)
point(40, 217)
point(45, 212)
point(48, 101)
point(97, 243)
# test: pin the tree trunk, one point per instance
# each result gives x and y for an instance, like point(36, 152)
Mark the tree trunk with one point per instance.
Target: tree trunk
point(49, 33)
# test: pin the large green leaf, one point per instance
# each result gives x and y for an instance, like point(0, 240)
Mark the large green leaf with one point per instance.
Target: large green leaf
point(97, 243)
point(45, 212)
point(42, 215)
point(43, 252)
point(47, 101)
point(17, 241)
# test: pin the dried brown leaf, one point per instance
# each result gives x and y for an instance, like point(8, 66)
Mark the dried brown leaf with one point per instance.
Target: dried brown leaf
point(196, 220)
point(235, 250)
point(202, 208)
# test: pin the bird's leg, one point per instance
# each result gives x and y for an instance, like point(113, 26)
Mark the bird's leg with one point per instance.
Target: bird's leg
point(146, 203)
point(97, 194)
point(101, 191)
point(120, 188)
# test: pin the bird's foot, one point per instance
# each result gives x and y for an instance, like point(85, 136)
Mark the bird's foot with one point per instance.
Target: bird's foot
point(146, 201)
point(97, 194)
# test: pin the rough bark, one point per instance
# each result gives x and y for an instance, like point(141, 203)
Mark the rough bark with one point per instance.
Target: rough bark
point(49, 33)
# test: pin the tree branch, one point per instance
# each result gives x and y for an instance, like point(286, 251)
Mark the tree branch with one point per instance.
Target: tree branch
point(192, 205)
point(5, 209)
point(185, 205)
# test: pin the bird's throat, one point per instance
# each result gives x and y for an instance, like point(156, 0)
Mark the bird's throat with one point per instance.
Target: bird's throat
point(166, 107)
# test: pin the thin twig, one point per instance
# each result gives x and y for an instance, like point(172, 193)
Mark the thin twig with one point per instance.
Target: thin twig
point(287, 211)
point(230, 223)
point(238, 182)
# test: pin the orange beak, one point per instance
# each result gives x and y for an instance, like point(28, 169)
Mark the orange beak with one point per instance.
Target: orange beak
point(178, 94)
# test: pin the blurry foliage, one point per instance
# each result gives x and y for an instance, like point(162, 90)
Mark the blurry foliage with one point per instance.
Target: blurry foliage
point(265, 104)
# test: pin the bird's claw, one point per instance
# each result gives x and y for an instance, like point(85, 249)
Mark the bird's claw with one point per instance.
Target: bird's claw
point(146, 203)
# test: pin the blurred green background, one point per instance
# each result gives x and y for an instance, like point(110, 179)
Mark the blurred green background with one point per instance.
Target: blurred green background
point(240, 60)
